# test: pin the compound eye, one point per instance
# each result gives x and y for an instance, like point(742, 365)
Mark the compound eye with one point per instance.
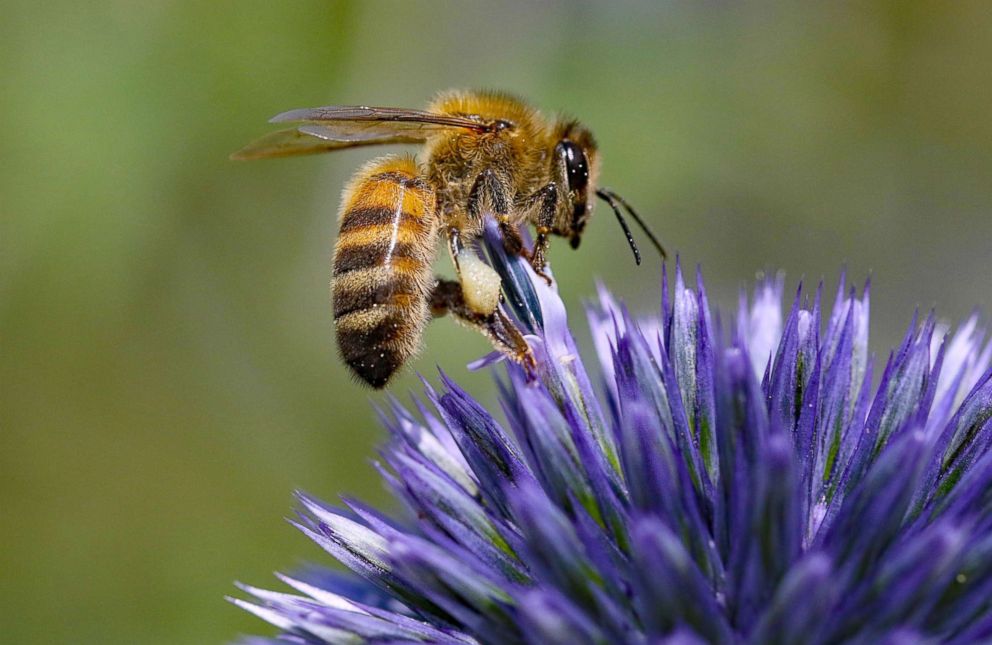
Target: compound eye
point(576, 166)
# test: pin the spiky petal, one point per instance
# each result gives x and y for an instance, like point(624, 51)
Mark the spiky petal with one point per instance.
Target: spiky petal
point(702, 485)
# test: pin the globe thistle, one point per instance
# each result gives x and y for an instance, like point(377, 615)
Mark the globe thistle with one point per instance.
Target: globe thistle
point(751, 482)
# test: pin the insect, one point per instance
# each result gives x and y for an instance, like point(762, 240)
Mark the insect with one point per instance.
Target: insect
point(484, 155)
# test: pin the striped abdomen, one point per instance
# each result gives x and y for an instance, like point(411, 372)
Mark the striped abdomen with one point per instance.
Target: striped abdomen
point(382, 268)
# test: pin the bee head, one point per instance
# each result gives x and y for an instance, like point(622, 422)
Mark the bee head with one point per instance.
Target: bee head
point(576, 169)
point(576, 166)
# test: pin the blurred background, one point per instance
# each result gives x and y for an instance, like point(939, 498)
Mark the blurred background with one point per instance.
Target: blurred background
point(167, 364)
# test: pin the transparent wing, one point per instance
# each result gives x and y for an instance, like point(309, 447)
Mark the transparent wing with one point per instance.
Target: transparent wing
point(360, 123)
point(309, 140)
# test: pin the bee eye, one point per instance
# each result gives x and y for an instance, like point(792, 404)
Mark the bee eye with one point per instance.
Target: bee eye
point(576, 166)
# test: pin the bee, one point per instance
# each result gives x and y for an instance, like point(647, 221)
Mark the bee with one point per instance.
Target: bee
point(484, 155)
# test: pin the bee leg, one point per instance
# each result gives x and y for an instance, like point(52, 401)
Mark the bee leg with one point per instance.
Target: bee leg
point(455, 247)
point(480, 284)
point(490, 196)
point(448, 297)
point(545, 200)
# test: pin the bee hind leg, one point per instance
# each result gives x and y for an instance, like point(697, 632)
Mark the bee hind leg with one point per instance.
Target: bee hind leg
point(448, 297)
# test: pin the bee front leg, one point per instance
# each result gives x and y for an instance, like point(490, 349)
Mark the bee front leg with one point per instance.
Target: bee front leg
point(448, 297)
point(545, 200)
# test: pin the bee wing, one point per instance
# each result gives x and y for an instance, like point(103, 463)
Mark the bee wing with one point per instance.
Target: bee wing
point(361, 123)
point(309, 140)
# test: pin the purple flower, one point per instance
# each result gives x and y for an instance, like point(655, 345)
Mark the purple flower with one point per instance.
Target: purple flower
point(706, 483)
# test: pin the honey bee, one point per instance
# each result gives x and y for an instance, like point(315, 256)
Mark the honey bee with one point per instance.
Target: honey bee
point(484, 155)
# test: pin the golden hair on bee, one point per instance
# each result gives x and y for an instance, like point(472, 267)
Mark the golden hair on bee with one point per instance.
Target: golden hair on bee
point(485, 156)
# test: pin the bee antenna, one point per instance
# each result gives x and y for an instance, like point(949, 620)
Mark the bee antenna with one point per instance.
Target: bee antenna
point(612, 197)
point(609, 198)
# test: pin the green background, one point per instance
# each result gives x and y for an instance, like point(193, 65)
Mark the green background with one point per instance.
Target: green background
point(168, 372)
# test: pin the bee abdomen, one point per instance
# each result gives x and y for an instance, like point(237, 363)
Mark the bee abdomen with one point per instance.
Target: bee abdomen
point(382, 268)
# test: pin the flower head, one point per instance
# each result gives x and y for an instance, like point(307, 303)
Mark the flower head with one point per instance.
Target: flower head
point(707, 483)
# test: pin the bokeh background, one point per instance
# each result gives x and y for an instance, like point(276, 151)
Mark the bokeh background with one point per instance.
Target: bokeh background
point(168, 372)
